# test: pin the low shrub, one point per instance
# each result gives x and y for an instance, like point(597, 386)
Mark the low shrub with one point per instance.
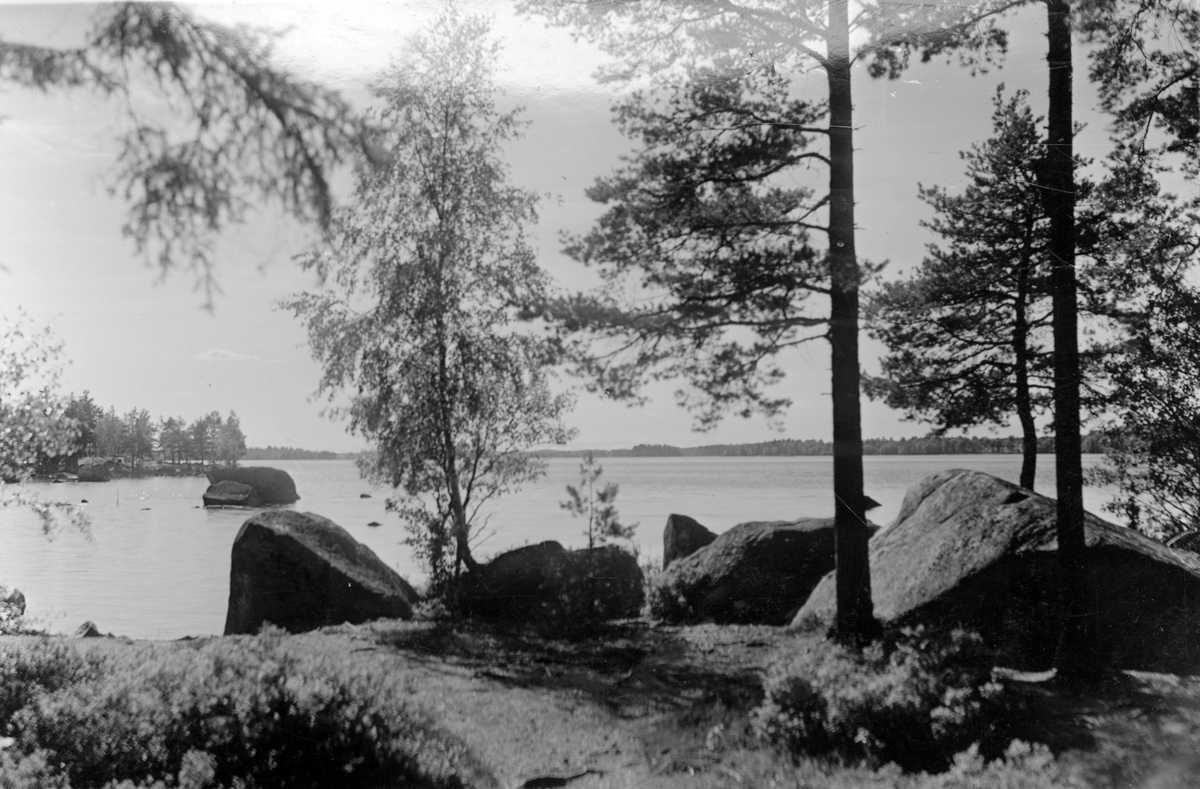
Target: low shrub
point(45, 666)
point(235, 713)
point(665, 601)
point(1021, 766)
point(30, 771)
point(915, 699)
point(652, 571)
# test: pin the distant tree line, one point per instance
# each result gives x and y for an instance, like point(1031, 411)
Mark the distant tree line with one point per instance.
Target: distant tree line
point(789, 447)
point(291, 453)
point(134, 438)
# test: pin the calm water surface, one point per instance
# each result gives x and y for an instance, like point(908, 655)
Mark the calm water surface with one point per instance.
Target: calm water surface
point(154, 564)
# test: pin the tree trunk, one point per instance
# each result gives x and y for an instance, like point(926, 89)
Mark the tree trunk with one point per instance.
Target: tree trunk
point(1024, 400)
point(855, 624)
point(1077, 660)
point(458, 513)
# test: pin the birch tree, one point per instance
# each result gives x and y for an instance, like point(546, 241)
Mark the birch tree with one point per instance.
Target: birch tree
point(427, 265)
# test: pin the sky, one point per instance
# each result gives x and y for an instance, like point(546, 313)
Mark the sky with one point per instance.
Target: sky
point(136, 339)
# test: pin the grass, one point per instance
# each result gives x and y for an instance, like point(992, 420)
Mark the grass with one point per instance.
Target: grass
point(630, 704)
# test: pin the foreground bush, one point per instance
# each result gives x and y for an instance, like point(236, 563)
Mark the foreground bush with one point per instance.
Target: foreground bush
point(915, 700)
point(232, 713)
point(49, 665)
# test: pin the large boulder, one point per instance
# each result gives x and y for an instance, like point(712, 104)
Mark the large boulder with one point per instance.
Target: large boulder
point(546, 581)
point(301, 571)
point(755, 573)
point(274, 486)
point(12, 604)
point(613, 580)
point(228, 493)
point(971, 550)
point(683, 537)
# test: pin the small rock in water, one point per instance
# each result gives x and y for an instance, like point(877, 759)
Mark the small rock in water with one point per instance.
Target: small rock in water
point(374, 523)
point(83, 501)
point(88, 630)
point(364, 495)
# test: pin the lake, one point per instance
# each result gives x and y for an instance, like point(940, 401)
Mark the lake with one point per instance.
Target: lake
point(155, 564)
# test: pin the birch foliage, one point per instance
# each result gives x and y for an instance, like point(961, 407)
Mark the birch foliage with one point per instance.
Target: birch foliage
point(428, 263)
point(33, 419)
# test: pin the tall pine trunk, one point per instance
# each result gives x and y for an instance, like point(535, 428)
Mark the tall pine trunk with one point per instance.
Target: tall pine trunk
point(855, 623)
point(1076, 659)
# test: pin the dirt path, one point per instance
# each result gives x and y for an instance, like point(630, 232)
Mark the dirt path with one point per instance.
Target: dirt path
point(618, 709)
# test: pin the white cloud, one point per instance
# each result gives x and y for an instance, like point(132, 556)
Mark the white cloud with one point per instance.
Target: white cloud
point(347, 44)
point(221, 355)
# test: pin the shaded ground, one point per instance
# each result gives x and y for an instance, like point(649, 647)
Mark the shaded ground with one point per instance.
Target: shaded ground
point(638, 705)
point(1141, 729)
point(616, 708)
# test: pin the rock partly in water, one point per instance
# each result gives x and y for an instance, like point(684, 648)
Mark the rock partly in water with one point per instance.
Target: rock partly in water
point(301, 571)
point(970, 550)
point(682, 537)
point(89, 630)
point(228, 493)
point(755, 573)
point(274, 486)
point(12, 604)
point(546, 581)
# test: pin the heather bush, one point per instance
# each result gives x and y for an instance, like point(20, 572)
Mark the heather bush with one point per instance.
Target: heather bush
point(665, 601)
point(1021, 766)
point(31, 771)
point(915, 699)
point(234, 713)
point(48, 665)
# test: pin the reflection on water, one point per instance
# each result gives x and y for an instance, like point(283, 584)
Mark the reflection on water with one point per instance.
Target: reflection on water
point(154, 564)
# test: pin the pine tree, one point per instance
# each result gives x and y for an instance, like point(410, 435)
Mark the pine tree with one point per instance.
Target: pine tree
point(597, 503)
point(968, 332)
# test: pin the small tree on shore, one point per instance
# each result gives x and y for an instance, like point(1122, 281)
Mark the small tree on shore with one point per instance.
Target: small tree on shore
point(597, 503)
point(111, 434)
point(423, 278)
point(230, 443)
point(140, 436)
